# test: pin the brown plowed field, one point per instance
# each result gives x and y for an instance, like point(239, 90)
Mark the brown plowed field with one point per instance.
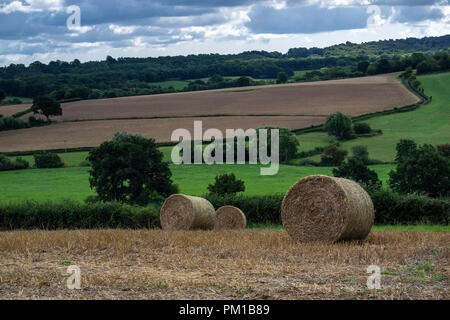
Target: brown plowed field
point(93, 133)
point(8, 111)
point(352, 97)
point(294, 106)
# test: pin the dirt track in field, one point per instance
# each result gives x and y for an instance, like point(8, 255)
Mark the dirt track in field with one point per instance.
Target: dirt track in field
point(93, 133)
point(249, 264)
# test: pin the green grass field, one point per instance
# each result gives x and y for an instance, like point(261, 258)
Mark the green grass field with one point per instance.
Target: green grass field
point(429, 124)
point(73, 182)
point(176, 84)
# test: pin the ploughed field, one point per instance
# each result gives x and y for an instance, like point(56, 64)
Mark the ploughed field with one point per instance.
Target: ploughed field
point(247, 264)
point(294, 106)
point(93, 133)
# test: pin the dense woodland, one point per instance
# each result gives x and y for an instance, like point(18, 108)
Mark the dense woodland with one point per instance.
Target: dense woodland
point(138, 76)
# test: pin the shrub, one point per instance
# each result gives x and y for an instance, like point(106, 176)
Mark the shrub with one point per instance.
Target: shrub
point(361, 153)
point(288, 143)
point(444, 149)
point(10, 123)
point(404, 149)
point(333, 156)
point(84, 163)
point(282, 77)
point(11, 101)
point(362, 128)
point(226, 184)
point(340, 126)
point(74, 215)
point(21, 164)
point(355, 169)
point(6, 164)
point(308, 163)
point(48, 160)
point(33, 122)
point(258, 209)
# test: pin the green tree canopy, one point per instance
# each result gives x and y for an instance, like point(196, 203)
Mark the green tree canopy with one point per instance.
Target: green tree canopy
point(130, 169)
point(423, 170)
point(340, 126)
point(282, 77)
point(46, 106)
point(226, 184)
point(355, 169)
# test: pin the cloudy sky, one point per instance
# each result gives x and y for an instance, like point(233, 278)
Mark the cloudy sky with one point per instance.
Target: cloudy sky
point(47, 30)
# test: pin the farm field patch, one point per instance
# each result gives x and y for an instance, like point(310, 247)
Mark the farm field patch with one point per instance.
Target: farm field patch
point(428, 124)
point(73, 183)
point(248, 264)
point(93, 133)
point(352, 96)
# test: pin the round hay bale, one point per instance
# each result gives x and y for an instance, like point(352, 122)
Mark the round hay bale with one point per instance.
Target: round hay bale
point(182, 212)
point(322, 208)
point(229, 217)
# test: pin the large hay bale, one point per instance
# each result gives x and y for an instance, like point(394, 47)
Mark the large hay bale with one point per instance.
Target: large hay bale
point(322, 208)
point(182, 212)
point(229, 217)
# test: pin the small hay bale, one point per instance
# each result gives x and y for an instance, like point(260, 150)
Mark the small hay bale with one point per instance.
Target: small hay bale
point(322, 208)
point(182, 212)
point(229, 217)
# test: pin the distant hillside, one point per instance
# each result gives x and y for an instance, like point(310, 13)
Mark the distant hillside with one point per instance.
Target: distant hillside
point(140, 76)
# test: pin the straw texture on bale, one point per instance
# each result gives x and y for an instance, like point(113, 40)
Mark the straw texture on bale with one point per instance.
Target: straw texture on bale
point(229, 217)
point(322, 208)
point(182, 212)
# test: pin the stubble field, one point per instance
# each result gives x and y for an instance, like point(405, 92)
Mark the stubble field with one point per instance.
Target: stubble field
point(250, 264)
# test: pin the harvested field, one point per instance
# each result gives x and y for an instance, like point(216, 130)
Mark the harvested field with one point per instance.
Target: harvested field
point(245, 264)
point(8, 111)
point(93, 133)
point(351, 96)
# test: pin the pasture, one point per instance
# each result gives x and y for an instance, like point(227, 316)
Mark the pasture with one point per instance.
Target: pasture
point(73, 183)
point(428, 124)
point(263, 264)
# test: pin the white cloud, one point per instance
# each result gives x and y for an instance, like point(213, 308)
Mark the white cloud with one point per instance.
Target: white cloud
point(32, 6)
point(17, 6)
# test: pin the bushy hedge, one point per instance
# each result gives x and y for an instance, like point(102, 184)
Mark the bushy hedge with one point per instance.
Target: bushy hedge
point(6, 164)
point(48, 160)
point(75, 215)
point(390, 208)
point(258, 209)
point(10, 123)
point(393, 208)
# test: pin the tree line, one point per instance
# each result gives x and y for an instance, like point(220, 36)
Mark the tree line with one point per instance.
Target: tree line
point(136, 76)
